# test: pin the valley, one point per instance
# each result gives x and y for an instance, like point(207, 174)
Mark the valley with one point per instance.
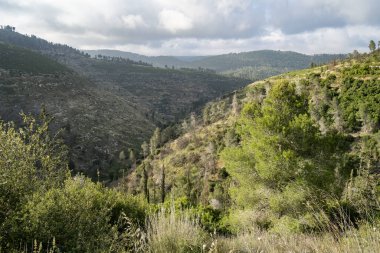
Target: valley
point(259, 151)
point(108, 105)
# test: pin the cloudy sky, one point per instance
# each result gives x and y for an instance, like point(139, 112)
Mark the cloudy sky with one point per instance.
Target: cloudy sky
point(199, 27)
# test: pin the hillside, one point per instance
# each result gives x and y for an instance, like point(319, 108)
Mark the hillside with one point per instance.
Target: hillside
point(290, 163)
point(110, 105)
point(292, 153)
point(151, 89)
point(16, 58)
point(157, 61)
point(81, 109)
point(253, 65)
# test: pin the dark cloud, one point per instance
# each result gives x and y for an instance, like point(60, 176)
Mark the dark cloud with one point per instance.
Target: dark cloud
point(302, 16)
point(197, 26)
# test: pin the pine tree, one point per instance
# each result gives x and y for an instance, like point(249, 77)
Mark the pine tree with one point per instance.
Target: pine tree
point(337, 116)
point(162, 184)
point(132, 158)
point(368, 124)
point(145, 178)
point(185, 126)
point(122, 155)
point(206, 115)
point(155, 141)
point(372, 46)
point(145, 149)
point(193, 122)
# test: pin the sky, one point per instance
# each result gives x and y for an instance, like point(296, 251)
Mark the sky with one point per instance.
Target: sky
point(199, 27)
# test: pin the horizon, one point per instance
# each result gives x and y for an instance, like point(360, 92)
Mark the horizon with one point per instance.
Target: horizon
point(197, 28)
point(211, 55)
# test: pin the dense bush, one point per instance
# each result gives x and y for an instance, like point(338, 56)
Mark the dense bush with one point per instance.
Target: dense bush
point(30, 161)
point(39, 201)
point(360, 101)
point(286, 166)
point(82, 216)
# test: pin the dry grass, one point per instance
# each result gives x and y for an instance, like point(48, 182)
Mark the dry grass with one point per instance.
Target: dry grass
point(366, 239)
point(171, 232)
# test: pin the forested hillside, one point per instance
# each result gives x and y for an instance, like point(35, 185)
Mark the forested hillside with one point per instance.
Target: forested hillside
point(79, 108)
point(253, 65)
point(106, 106)
point(295, 153)
point(16, 58)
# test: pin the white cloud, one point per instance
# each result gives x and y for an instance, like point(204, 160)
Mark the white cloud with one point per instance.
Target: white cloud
point(133, 21)
point(199, 26)
point(174, 21)
point(229, 6)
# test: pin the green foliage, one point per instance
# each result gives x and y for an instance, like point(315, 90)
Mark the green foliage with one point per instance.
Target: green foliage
point(155, 141)
point(293, 159)
point(82, 216)
point(30, 155)
point(362, 192)
point(285, 164)
point(39, 202)
point(372, 45)
point(360, 100)
point(30, 161)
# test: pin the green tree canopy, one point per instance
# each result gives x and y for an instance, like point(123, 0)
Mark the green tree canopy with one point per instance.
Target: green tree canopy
point(372, 45)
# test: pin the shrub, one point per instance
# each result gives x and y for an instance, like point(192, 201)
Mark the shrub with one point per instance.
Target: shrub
point(30, 161)
point(82, 216)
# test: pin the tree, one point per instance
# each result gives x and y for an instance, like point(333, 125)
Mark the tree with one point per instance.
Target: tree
point(162, 184)
point(145, 178)
point(145, 149)
point(155, 141)
point(122, 155)
point(193, 122)
point(235, 105)
point(355, 54)
point(372, 46)
point(132, 158)
point(368, 124)
point(284, 157)
point(206, 115)
point(185, 126)
point(337, 116)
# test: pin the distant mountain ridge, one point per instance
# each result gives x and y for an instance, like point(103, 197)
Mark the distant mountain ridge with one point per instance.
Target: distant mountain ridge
point(279, 60)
